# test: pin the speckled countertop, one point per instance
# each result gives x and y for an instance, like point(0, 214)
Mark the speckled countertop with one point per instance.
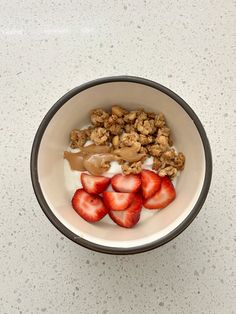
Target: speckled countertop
point(49, 47)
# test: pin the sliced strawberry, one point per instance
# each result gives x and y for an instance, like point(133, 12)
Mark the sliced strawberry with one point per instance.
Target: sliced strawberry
point(151, 183)
point(163, 197)
point(117, 201)
point(94, 184)
point(126, 183)
point(129, 217)
point(88, 206)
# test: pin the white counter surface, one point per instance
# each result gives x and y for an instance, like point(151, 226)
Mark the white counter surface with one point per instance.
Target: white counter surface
point(49, 47)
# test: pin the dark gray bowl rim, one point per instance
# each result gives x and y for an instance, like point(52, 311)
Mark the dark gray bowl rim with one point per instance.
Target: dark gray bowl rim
point(106, 249)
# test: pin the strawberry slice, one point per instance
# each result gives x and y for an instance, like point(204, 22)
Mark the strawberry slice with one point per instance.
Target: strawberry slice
point(151, 183)
point(163, 197)
point(129, 183)
point(130, 216)
point(94, 184)
point(117, 201)
point(88, 206)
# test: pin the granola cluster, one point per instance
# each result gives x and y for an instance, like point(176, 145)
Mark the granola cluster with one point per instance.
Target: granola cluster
point(134, 136)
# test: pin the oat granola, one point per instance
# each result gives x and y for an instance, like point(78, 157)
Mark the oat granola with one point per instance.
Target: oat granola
point(98, 116)
point(99, 136)
point(78, 138)
point(133, 136)
point(135, 167)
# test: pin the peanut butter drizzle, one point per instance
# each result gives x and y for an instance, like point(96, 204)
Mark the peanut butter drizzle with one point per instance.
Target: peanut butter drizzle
point(96, 159)
point(93, 158)
point(76, 160)
point(128, 154)
point(95, 149)
point(97, 164)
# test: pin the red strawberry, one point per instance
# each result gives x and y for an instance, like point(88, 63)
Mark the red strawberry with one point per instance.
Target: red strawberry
point(163, 197)
point(151, 183)
point(126, 183)
point(129, 217)
point(88, 206)
point(94, 184)
point(117, 201)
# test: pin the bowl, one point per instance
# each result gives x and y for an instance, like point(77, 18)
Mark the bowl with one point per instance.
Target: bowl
point(71, 111)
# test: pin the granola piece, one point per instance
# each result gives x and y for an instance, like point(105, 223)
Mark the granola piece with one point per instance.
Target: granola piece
point(141, 115)
point(156, 163)
point(167, 158)
point(128, 139)
point(116, 129)
point(171, 158)
point(110, 121)
point(114, 124)
point(169, 171)
point(118, 111)
point(151, 115)
point(120, 121)
point(129, 128)
point(160, 120)
point(155, 150)
point(113, 119)
point(143, 150)
point(88, 131)
point(145, 139)
point(169, 155)
point(116, 141)
point(99, 136)
point(164, 131)
point(78, 138)
point(135, 167)
point(163, 141)
point(98, 116)
point(130, 117)
point(179, 161)
point(145, 127)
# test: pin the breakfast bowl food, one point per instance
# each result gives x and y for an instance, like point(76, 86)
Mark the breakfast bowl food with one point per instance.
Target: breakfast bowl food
point(121, 165)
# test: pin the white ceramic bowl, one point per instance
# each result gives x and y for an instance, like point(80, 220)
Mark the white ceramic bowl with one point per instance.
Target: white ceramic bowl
point(71, 111)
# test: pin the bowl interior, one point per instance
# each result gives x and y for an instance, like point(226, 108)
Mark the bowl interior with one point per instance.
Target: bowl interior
point(153, 225)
